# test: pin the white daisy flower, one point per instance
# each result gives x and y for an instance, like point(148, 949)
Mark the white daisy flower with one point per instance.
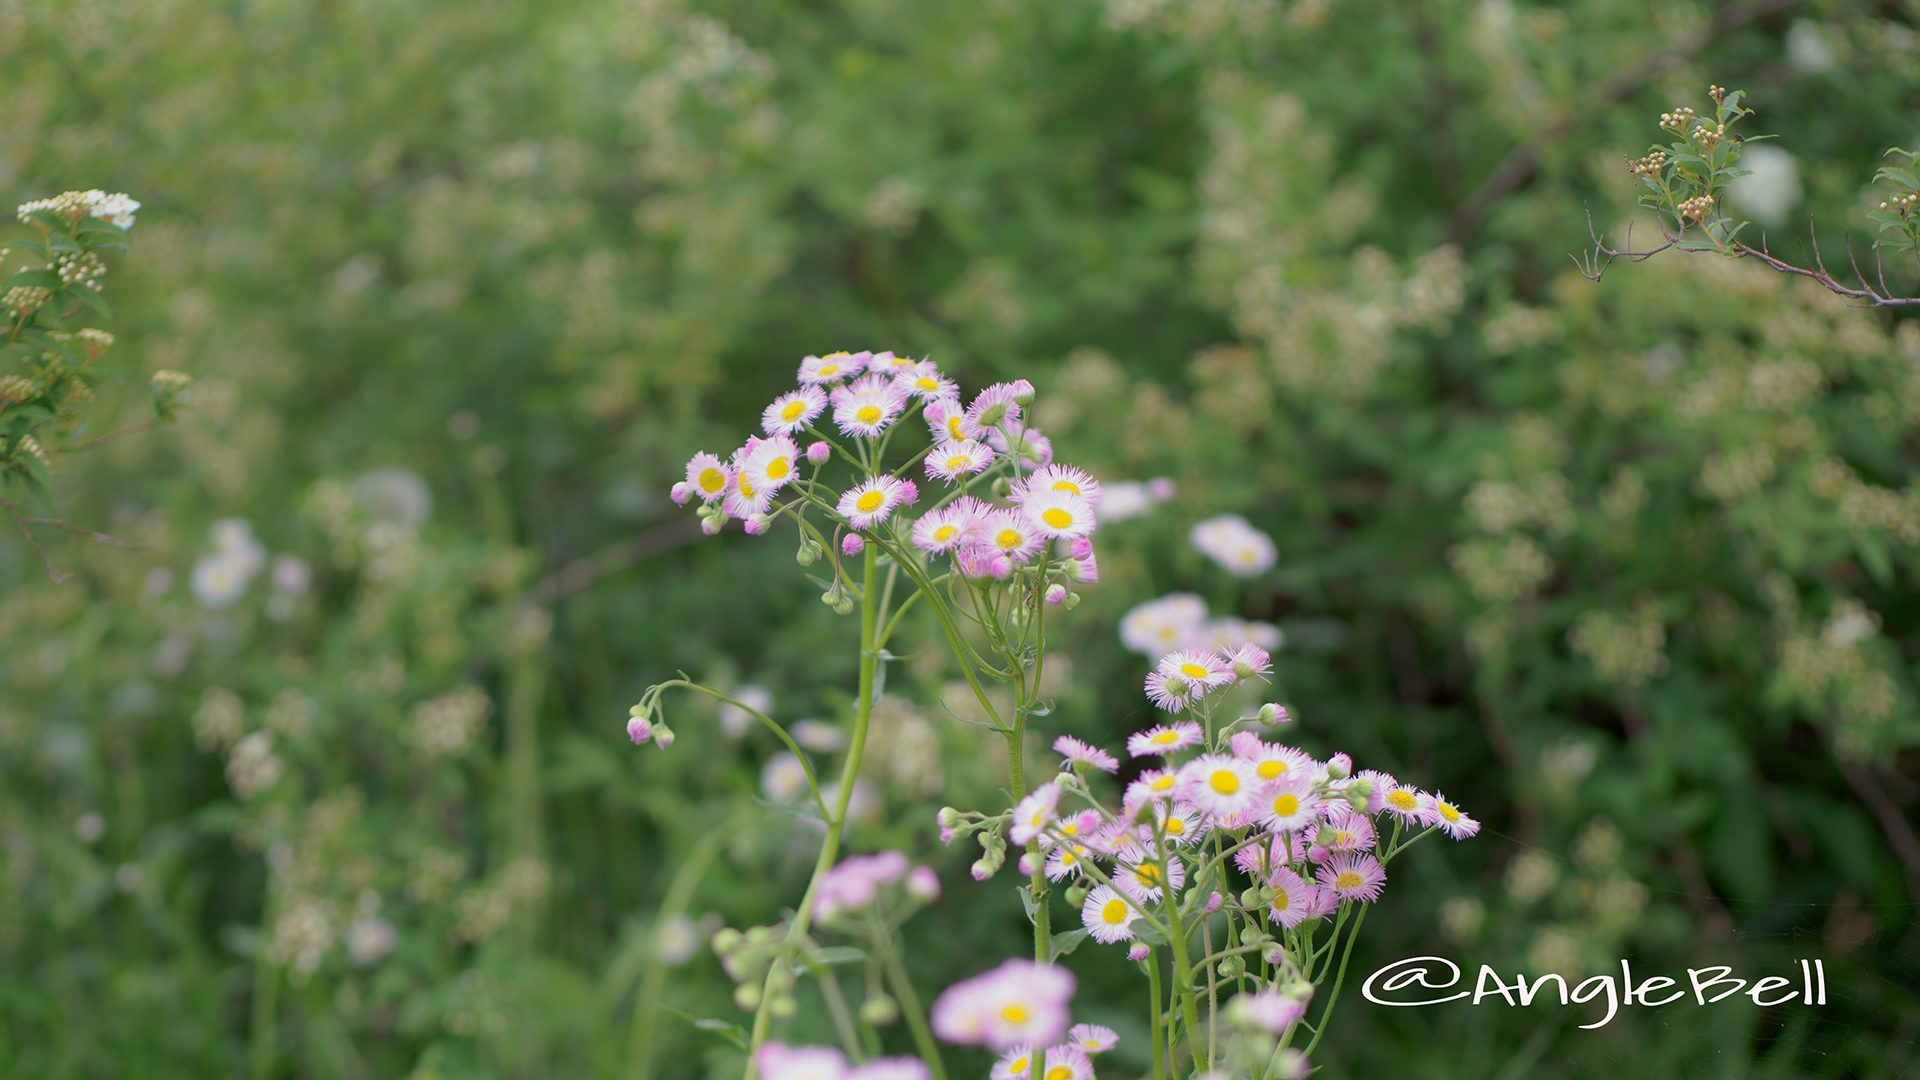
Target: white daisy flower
point(793, 410)
point(1290, 805)
point(1059, 513)
point(831, 368)
point(871, 502)
point(952, 460)
point(1108, 916)
point(1218, 784)
point(867, 407)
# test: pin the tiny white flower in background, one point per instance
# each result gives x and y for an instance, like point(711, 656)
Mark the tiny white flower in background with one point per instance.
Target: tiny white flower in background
point(676, 940)
point(818, 736)
point(1808, 48)
point(1124, 499)
point(1158, 627)
point(1235, 544)
point(1771, 188)
point(291, 574)
point(397, 496)
point(369, 940)
point(783, 779)
point(219, 581)
point(735, 721)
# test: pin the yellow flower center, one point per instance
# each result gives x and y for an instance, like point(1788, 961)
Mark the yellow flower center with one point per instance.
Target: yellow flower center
point(1194, 671)
point(828, 370)
point(1224, 781)
point(943, 534)
point(1148, 873)
point(1067, 485)
point(1280, 900)
point(1115, 912)
point(1349, 879)
point(1163, 783)
point(953, 428)
point(1056, 517)
point(1060, 1072)
point(1286, 805)
point(869, 502)
point(1009, 539)
point(712, 480)
point(778, 468)
point(1271, 769)
point(1039, 817)
point(867, 414)
point(1068, 858)
point(1176, 826)
point(795, 410)
point(1402, 800)
point(746, 488)
point(927, 383)
point(1019, 1066)
point(1015, 1014)
point(1447, 811)
point(1341, 838)
point(959, 463)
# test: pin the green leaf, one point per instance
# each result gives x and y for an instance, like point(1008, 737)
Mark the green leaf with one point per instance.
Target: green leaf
point(1062, 944)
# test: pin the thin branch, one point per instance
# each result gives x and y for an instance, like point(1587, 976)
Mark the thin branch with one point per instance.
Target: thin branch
point(86, 534)
point(1594, 264)
point(1519, 166)
point(111, 435)
point(46, 561)
point(1893, 820)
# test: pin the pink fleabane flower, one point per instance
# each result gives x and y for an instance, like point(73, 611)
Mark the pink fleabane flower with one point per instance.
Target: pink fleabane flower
point(871, 502)
point(1060, 478)
point(1018, 1002)
point(831, 368)
point(1108, 916)
point(924, 381)
point(867, 406)
point(1074, 752)
point(1092, 1038)
point(793, 410)
point(1291, 897)
point(1450, 819)
point(1059, 514)
point(708, 477)
point(1163, 739)
point(1353, 877)
point(940, 530)
point(1009, 534)
point(992, 408)
point(952, 460)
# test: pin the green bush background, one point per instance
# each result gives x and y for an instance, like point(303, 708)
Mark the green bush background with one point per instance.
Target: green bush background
point(1628, 569)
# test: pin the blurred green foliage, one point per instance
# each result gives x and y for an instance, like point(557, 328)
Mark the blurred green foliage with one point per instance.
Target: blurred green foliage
point(1629, 568)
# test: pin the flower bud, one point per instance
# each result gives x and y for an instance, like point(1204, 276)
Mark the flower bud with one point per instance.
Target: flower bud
point(710, 524)
point(1230, 967)
point(1275, 714)
point(1339, 767)
point(923, 884)
point(1022, 390)
point(819, 452)
point(638, 729)
point(725, 940)
point(852, 544)
point(981, 870)
point(1137, 952)
point(845, 606)
point(782, 1007)
point(809, 552)
point(1077, 894)
point(1056, 594)
point(758, 524)
point(680, 493)
point(909, 492)
point(1029, 862)
point(663, 736)
point(746, 996)
point(879, 1011)
point(1214, 902)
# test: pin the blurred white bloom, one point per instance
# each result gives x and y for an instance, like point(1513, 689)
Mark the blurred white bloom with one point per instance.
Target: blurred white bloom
point(783, 779)
point(159, 580)
point(170, 658)
point(735, 721)
point(395, 496)
point(1229, 632)
point(219, 580)
point(1808, 48)
point(1124, 499)
point(1771, 187)
point(676, 940)
point(89, 827)
point(128, 877)
point(818, 736)
point(291, 574)
point(369, 940)
point(1158, 627)
point(1235, 544)
point(253, 767)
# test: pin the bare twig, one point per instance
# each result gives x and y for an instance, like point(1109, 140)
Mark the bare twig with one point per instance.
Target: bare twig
point(86, 534)
point(26, 530)
point(588, 569)
point(1519, 166)
point(1595, 263)
point(1893, 820)
point(111, 435)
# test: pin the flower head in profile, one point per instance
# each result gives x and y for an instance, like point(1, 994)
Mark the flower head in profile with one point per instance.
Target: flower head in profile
point(1236, 545)
point(1158, 627)
point(1408, 805)
point(1108, 916)
point(1291, 897)
point(1075, 752)
point(831, 368)
point(1064, 479)
point(1018, 1002)
point(1163, 739)
point(924, 381)
point(793, 410)
point(1092, 1038)
point(1033, 813)
point(947, 419)
point(996, 406)
point(1271, 1011)
point(871, 502)
point(950, 461)
point(1450, 818)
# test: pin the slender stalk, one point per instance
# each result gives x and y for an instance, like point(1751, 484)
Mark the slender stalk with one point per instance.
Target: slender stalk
point(1156, 1015)
point(266, 991)
point(646, 1003)
point(910, 1005)
point(781, 971)
point(1334, 997)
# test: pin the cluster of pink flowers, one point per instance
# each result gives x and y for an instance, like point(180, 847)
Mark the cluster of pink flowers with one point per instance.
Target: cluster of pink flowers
point(777, 1062)
point(1019, 1003)
point(869, 395)
point(1305, 829)
point(859, 880)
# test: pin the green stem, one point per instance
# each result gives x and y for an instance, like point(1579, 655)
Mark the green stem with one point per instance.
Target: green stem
point(781, 970)
point(1334, 997)
point(646, 1003)
point(1156, 1015)
point(916, 1015)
